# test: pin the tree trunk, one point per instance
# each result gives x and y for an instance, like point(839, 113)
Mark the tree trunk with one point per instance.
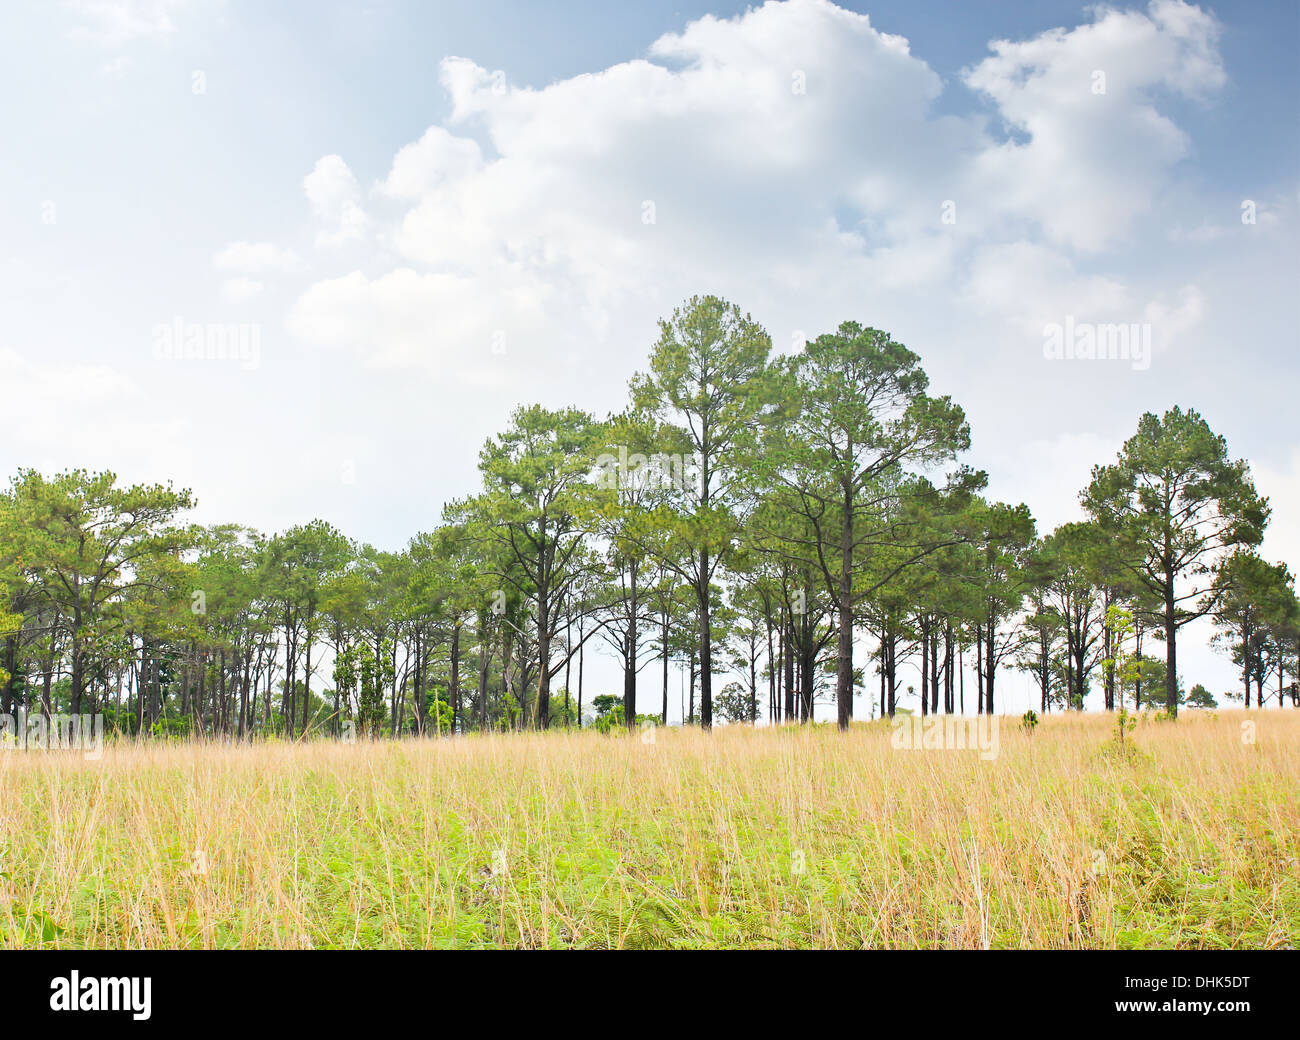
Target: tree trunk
point(771, 672)
point(925, 671)
point(306, 687)
point(891, 671)
point(629, 654)
point(691, 711)
point(787, 659)
point(663, 720)
point(484, 660)
point(10, 668)
point(581, 648)
point(990, 668)
point(947, 668)
point(544, 660)
point(706, 644)
point(1171, 648)
point(844, 604)
point(453, 685)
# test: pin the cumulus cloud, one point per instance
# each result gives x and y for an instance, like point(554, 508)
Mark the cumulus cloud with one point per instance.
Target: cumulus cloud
point(405, 318)
point(256, 258)
point(793, 150)
point(1030, 286)
point(29, 385)
point(50, 406)
point(1095, 147)
point(241, 290)
point(116, 68)
point(113, 22)
point(333, 192)
point(436, 159)
point(1280, 483)
point(1170, 321)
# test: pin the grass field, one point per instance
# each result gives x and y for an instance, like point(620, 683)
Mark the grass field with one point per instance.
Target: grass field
point(772, 837)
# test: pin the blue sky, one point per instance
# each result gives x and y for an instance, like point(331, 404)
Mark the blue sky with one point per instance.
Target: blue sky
point(430, 213)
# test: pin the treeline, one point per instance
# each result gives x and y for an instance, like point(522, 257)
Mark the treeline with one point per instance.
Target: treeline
point(748, 519)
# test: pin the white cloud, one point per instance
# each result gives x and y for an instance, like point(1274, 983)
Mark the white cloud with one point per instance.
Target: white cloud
point(1030, 285)
point(114, 22)
point(1267, 217)
point(1280, 483)
point(256, 258)
point(1171, 321)
point(442, 322)
point(435, 159)
point(1096, 149)
point(790, 152)
point(116, 68)
point(241, 290)
point(28, 385)
point(332, 190)
point(62, 414)
point(1048, 473)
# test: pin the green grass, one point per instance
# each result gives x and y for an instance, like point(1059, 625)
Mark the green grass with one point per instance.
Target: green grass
point(773, 837)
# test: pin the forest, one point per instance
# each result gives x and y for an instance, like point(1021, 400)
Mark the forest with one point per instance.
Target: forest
point(775, 530)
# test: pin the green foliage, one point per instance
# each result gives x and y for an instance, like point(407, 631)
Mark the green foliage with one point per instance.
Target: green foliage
point(762, 513)
point(1120, 746)
point(609, 716)
point(1199, 697)
point(708, 384)
point(1257, 616)
point(359, 668)
point(437, 714)
point(1175, 505)
point(733, 703)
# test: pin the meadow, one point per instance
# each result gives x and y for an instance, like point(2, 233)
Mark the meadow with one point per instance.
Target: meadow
point(1186, 836)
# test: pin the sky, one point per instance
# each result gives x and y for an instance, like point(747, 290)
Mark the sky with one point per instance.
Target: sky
point(409, 218)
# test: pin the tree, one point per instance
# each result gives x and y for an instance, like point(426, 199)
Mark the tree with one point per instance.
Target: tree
point(1199, 697)
point(86, 542)
point(1126, 666)
point(1073, 555)
point(373, 671)
point(734, 703)
point(1040, 651)
point(538, 505)
point(1175, 506)
point(707, 384)
point(227, 622)
point(1001, 537)
point(446, 587)
point(298, 567)
point(1253, 601)
point(753, 610)
point(16, 596)
point(856, 426)
point(635, 480)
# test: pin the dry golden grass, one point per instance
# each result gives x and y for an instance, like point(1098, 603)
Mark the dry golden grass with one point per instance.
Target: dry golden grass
point(786, 837)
